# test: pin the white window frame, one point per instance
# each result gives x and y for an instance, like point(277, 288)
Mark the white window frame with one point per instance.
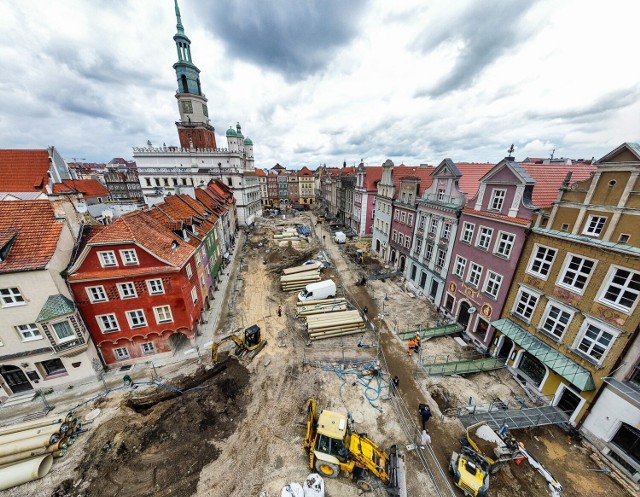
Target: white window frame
point(11, 297)
point(546, 315)
point(403, 216)
point(509, 240)
point(125, 255)
point(446, 231)
point(136, 314)
point(121, 353)
point(433, 229)
point(189, 271)
point(102, 322)
point(418, 246)
point(582, 336)
point(410, 219)
point(543, 261)
point(460, 267)
point(441, 193)
point(406, 241)
point(594, 225)
point(31, 329)
point(441, 258)
point(151, 283)
point(194, 294)
point(565, 268)
point(495, 280)
point(161, 309)
point(530, 293)
point(198, 259)
point(428, 253)
point(64, 339)
point(105, 257)
point(128, 285)
point(474, 270)
point(468, 229)
point(483, 239)
point(608, 283)
point(394, 236)
point(147, 348)
point(497, 195)
point(102, 297)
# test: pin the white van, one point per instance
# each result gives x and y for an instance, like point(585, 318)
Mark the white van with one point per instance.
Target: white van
point(317, 291)
point(340, 237)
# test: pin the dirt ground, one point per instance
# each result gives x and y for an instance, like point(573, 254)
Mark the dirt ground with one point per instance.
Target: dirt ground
point(239, 431)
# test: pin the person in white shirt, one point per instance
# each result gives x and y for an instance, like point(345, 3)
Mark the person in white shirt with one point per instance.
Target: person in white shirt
point(425, 438)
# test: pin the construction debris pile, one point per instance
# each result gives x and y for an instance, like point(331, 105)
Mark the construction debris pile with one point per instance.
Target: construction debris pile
point(27, 449)
point(296, 278)
point(292, 236)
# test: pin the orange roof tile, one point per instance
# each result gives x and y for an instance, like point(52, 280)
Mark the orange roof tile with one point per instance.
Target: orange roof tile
point(120, 273)
point(423, 174)
point(88, 187)
point(471, 174)
point(305, 171)
point(549, 178)
point(24, 170)
point(372, 175)
point(492, 215)
point(37, 234)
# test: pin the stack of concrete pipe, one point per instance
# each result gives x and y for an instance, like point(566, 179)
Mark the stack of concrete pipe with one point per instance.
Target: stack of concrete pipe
point(296, 278)
point(334, 324)
point(289, 235)
point(309, 308)
point(27, 449)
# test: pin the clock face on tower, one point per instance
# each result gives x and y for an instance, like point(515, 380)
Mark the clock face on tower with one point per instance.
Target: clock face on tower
point(187, 107)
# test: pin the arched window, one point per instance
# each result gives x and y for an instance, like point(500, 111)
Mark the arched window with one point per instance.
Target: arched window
point(185, 86)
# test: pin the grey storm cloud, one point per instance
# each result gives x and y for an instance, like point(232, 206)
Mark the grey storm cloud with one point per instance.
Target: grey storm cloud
point(486, 30)
point(294, 38)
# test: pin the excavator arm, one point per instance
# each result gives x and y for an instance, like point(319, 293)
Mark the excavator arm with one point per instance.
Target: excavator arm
point(310, 437)
point(232, 338)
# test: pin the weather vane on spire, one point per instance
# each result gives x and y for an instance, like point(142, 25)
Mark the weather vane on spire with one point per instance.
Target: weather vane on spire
point(511, 149)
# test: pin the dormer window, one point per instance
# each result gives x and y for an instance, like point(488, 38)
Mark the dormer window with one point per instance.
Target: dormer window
point(129, 257)
point(107, 258)
point(441, 192)
point(497, 200)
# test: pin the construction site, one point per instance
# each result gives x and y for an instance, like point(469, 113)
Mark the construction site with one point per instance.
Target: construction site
point(238, 421)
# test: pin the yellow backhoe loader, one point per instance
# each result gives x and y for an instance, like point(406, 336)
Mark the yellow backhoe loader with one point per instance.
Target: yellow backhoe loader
point(250, 343)
point(335, 448)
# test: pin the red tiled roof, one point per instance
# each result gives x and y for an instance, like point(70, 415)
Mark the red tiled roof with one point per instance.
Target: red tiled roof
point(88, 187)
point(24, 170)
point(372, 175)
point(423, 174)
point(120, 273)
point(549, 178)
point(37, 234)
point(500, 217)
point(471, 174)
point(260, 172)
point(305, 172)
point(141, 228)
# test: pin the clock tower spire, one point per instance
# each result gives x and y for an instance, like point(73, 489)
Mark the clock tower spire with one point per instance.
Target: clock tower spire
point(194, 129)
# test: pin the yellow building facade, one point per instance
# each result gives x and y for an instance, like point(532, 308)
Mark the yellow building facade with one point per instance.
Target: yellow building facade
point(572, 311)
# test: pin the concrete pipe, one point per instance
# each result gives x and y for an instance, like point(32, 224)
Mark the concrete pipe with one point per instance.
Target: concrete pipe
point(33, 432)
point(36, 423)
point(25, 471)
point(20, 456)
point(28, 444)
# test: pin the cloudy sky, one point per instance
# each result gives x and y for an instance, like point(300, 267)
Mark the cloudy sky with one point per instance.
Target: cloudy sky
point(326, 81)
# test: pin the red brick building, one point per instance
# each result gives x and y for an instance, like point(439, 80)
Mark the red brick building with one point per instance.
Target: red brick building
point(136, 285)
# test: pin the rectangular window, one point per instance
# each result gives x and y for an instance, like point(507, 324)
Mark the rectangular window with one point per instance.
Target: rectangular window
point(108, 323)
point(136, 318)
point(53, 366)
point(29, 332)
point(163, 314)
point(401, 239)
point(594, 341)
point(555, 321)
point(484, 238)
point(407, 240)
point(492, 284)
point(410, 220)
point(63, 330)
point(467, 232)
point(129, 257)
point(147, 348)
point(198, 259)
point(11, 297)
point(404, 217)
point(446, 231)
point(576, 273)
point(594, 225)
point(459, 267)
point(121, 353)
point(422, 221)
point(127, 290)
point(107, 258)
point(441, 193)
point(189, 271)
point(505, 244)
point(441, 258)
point(434, 226)
point(497, 200)
point(96, 294)
point(194, 295)
point(394, 237)
point(481, 328)
point(525, 304)
point(448, 304)
point(541, 261)
point(475, 272)
point(622, 289)
point(155, 287)
point(396, 215)
point(418, 246)
point(423, 279)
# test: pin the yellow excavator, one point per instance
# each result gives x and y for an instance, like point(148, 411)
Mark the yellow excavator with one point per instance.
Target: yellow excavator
point(250, 343)
point(334, 448)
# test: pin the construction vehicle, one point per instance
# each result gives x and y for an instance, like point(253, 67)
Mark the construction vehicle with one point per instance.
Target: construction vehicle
point(250, 343)
point(335, 448)
point(483, 452)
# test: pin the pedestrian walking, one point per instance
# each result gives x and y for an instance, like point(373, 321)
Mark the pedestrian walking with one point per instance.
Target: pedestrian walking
point(411, 346)
point(279, 310)
point(396, 383)
point(425, 414)
point(365, 311)
point(418, 342)
point(425, 438)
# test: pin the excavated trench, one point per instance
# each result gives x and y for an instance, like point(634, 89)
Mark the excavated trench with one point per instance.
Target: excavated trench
point(163, 439)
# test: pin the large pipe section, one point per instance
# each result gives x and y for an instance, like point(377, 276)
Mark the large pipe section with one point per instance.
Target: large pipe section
point(36, 423)
point(60, 428)
point(25, 471)
point(19, 456)
point(28, 444)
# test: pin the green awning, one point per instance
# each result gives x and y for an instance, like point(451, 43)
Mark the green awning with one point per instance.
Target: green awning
point(565, 367)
